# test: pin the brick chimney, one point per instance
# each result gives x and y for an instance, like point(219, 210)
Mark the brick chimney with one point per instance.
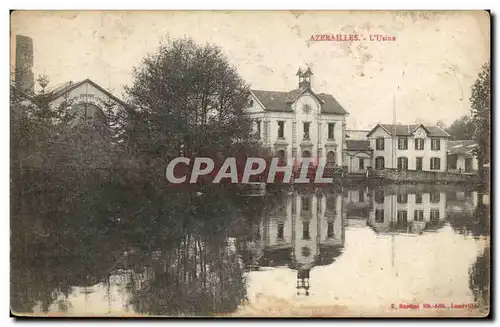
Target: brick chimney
point(24, 64)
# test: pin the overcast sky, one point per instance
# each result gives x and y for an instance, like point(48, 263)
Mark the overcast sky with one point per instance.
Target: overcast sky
point(440, 53)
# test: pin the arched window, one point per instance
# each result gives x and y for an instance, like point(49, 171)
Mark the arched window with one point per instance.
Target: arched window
point(89, 113)
point(379, 163)
point(402, 163)
point(306, 154)
point(330, 159)
point(281, 154)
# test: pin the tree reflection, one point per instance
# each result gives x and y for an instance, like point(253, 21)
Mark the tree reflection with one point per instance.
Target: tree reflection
point(177, 243)
point(479, 280)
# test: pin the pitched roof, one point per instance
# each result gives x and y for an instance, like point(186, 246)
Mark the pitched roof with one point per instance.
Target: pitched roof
point(461, 147)
point(407, 130)
point(282, 101)
point(358, 145)
point(69, 86)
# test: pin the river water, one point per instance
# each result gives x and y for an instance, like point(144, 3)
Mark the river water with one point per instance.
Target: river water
point(392, 250)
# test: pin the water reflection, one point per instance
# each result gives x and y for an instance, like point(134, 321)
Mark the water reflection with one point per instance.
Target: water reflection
point(217, 253)
point(304, 230)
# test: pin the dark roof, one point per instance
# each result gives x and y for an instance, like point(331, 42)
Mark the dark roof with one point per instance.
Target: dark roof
point(407, 130)
point(69, 86)
point(358, 145)
point(282, 101)
point(461, 147)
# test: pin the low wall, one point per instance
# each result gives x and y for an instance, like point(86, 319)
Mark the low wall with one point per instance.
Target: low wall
point(414, 176)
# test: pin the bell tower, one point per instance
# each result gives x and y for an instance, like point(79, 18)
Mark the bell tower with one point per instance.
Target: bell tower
point(304, 78)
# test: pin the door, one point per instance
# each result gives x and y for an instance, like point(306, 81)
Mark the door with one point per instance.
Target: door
point(468, 165)
point(361, 163)
point(419, 163)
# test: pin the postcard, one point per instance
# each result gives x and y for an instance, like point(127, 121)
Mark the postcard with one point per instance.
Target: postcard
point(250, 164)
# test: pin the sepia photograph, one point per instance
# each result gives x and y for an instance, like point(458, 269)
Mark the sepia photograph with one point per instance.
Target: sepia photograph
point(248, 164)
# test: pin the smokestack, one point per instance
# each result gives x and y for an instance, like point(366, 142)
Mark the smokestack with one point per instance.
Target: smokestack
point(24, 64)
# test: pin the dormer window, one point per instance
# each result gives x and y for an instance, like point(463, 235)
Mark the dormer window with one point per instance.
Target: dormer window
point(250, 103)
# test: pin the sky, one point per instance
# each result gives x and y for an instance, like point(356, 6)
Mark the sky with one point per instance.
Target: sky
point(426, 73)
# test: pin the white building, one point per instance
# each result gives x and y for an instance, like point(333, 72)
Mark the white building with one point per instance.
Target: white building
point(306, 230)
point(299, 123)
point(409, 147)
point(86, 98)
point(461, 156)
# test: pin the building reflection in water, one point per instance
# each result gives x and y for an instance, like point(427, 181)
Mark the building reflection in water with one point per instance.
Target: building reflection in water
point(407, 211)
point(306, 229)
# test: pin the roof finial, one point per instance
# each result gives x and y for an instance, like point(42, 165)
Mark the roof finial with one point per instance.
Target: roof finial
point(308, 72)
point(299, 73)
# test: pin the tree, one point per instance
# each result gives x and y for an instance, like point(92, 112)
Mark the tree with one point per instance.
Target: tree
point(462, 129)
point(481, 111)
point(441, 124)
point(185, 98)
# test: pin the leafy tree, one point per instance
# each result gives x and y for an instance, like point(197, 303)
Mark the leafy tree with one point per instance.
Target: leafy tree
point(462, 129)
point(185, 98)
point(481, 111)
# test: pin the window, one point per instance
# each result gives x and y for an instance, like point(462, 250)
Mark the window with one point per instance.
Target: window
point(435, 163)
point(361, 196)
point(281, 129)
point(306, 204)
point(402, 198)
point(435, 197)
point(294, 207)
point(361, 163)
point(418, 198)
point(306, 154)
point(281, 154)
point(402, 218)
point(380, 143)
point(331, 203)
point(281, 228)
point(330, 159)
point(379, 215)
point(403, 143)
point(330, 229)
point(379, 163)
point(379, 196)
point(403, 163)
point(306, 130)
point(258, 128)
point(435, 144)
point(331, 131)
point(250, 103)
point(305, 230)
point(419, 144)
point(434, 214)
point(418, 215)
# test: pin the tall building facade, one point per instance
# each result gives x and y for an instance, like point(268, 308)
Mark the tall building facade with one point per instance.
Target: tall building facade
point(299, 123)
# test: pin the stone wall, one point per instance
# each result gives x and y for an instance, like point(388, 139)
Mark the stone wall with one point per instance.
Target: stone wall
point(413, 176)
